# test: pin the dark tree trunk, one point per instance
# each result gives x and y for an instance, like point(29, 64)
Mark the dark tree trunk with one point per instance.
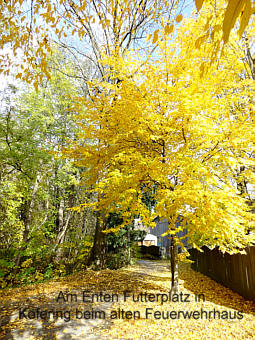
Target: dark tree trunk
point(174, 265)
point(98, 253)
point(241, 183)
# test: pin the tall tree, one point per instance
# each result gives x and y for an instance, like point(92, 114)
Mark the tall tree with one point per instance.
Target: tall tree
point(34, 126)
point(167, 127)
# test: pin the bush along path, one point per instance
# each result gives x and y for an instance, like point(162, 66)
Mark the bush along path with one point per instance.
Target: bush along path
point(130, 303)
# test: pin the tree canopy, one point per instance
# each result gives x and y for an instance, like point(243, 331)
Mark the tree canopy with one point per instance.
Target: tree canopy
point(160, 124)
point(29, 29)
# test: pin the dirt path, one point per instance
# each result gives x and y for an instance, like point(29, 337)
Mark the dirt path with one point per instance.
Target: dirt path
point(48, 316)
point(63, 309)
point(40, 312)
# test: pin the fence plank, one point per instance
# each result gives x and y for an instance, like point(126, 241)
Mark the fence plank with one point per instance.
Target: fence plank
point(236, 272)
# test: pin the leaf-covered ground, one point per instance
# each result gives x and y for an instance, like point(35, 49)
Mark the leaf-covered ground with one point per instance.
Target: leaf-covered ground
point(28, 312)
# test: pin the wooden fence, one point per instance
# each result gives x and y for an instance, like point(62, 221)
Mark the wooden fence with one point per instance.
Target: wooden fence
point(236, 272)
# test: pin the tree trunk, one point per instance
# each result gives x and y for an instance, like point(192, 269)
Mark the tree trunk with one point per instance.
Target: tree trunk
point(27, 218)
point(174, 264)
point(61, 215)
point(241, 184)
point(98, 253)
point(63, 222)
point(62, 233)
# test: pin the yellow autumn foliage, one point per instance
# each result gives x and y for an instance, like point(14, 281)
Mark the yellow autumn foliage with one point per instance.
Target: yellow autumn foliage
point(158, 124)
point(233, 10)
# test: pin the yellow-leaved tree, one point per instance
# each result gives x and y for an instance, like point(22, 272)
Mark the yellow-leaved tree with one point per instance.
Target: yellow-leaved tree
point(84, 30)
point(164, 128)
point(28, 28)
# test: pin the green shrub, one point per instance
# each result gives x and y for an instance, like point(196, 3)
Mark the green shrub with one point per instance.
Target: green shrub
point(117, 260)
